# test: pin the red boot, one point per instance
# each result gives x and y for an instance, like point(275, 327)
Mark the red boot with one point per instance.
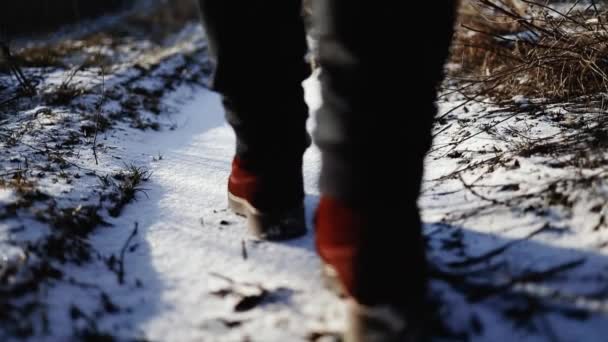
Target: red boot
point(273, 204)
point(386, 296)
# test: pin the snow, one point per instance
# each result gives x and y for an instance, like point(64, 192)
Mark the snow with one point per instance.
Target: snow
point(184, 252)
point(6, 196)
point(182, 245)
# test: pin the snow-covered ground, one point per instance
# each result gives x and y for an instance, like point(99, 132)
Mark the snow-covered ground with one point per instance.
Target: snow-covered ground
point(518, 248)
point(188, 242)
point(194, 264)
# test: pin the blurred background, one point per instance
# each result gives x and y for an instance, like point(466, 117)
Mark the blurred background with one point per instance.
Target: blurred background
point(36, 16)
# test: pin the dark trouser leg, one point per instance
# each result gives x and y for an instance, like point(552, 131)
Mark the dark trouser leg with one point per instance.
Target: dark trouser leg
point(379, 78)
point(259, 48)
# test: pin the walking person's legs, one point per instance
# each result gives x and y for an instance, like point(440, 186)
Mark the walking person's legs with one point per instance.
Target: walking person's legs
point(379, 75)
point(259, 48)
point(373, 130)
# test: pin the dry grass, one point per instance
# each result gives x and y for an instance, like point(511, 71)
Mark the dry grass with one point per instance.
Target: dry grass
point(508, 48)
point(539, 75)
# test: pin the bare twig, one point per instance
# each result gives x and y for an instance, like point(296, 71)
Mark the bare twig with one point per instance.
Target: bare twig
point(123, 251)
point(497, 251)
point(244, 250)
point(98, 114)
point(15, 69)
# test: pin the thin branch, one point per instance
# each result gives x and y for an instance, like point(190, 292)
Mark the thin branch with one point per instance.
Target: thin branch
point(98, 114)
point(123, 251)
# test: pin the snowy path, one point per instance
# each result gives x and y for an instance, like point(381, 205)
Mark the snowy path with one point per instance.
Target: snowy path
point(183, 243)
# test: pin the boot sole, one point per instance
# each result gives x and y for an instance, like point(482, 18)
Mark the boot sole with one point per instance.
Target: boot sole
point(331, 281)
point(265, 226)
point(367, 324)
point(379, 324)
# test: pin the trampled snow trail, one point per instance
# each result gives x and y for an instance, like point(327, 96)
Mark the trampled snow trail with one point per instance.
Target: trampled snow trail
point(188, 241)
